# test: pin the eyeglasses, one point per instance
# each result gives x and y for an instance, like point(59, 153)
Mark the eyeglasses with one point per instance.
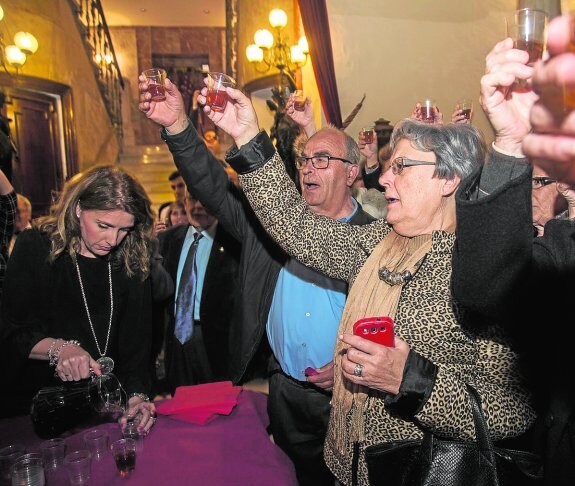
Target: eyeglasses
point(540, 181)
point(318, 161)
point(400, 163)
point(180, 185)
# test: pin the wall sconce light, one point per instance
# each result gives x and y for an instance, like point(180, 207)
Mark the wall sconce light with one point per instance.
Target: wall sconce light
point(25, 44)
point(271, 50)
point(108, 58)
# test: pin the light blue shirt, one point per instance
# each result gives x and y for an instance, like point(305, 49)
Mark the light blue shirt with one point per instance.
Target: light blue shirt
point(202, 256)
point(304, 316)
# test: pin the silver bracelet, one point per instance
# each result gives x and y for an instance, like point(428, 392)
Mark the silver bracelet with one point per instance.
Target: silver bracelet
point(141, 396)
point(51, 356)
point(54, 355)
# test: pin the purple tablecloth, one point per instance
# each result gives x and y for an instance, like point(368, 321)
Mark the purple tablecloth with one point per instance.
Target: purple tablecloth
point(229, 450)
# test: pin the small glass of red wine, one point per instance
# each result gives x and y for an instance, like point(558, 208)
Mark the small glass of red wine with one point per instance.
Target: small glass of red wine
point(367, 134)
point(298, 100)
point(427, 111)
point(124, 452)
point(156, 78)
point(217, 95)
point(529, 32)
point(466, 106)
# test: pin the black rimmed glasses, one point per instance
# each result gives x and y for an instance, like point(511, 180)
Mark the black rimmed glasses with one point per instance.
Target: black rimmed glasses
point(318, 161)
point(541, 181)
point(400, 163)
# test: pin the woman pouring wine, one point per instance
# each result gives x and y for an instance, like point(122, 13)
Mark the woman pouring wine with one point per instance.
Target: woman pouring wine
point(77, 293)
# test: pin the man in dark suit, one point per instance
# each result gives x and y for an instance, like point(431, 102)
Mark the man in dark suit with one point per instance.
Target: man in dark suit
point(204, 357)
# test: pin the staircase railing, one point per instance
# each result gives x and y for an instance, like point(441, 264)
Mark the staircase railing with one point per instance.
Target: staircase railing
point(98, 43)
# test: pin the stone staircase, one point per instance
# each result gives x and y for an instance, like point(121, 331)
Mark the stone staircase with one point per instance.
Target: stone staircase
point(151, 165)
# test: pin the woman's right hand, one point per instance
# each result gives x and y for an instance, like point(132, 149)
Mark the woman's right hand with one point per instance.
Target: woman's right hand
point(75, 363)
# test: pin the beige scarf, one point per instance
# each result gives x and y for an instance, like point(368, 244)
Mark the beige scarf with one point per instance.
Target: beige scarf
point(369, 296)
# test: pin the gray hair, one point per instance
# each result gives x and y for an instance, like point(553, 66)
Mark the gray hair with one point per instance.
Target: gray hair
point(459, 149)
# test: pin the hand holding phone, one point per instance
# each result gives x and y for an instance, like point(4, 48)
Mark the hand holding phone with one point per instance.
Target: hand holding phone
point(377, 329)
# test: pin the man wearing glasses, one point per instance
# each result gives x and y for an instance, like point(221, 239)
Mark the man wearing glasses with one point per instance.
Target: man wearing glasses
point(298, 308)
point(546, 199)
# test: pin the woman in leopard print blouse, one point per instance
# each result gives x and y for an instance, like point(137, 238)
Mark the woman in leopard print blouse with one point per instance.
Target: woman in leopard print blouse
point(400, 267)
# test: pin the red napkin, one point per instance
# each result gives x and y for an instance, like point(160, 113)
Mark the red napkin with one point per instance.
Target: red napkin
point(199, 403)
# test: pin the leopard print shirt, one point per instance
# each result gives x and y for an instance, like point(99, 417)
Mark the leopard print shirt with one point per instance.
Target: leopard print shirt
point(428, 319)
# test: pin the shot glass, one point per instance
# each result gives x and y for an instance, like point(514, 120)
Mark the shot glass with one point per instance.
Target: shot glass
point(367, 134)
point(217, 96)
point(96, 441)
point(528, 29)
point(156, 78)
point(124, 452)
point(53, 452)
point(78, 466)
point(9, 455)
point(28, 470)
point(298, 100)
point(466, 108)
point(131, 432)
point(427, 111)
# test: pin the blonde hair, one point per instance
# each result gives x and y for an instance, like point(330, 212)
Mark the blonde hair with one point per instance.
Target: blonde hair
point(25, 201)
point(102, 188)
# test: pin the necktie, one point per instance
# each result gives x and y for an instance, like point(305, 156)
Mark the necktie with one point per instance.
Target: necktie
point(186, 295)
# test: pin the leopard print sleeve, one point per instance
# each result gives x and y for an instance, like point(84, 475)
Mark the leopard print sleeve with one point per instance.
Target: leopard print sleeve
point(332, 247)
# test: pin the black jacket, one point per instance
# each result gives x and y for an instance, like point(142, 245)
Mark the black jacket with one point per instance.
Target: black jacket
point(43, 299)
point(219, 293)
point(501, 271)
point(261, 258)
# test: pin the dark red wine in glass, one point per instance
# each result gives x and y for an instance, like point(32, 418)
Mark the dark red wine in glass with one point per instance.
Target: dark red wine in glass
point(217, 100)
point(299, 105)
point(466, 113)
point(427, 113)
point(367, 136)
point(125, 462)
point(534, 49)
point(157, 91)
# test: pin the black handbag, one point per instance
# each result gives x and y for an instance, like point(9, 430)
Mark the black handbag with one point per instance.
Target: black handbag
point(437, 461)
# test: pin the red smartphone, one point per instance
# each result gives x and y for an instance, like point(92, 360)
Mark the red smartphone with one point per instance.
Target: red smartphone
point(376, 329)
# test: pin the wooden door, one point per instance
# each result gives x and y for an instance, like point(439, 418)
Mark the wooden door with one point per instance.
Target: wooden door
point(38, 170)
point(48, 151)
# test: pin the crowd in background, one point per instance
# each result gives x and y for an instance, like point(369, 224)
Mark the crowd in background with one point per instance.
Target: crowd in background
point(248, 273)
